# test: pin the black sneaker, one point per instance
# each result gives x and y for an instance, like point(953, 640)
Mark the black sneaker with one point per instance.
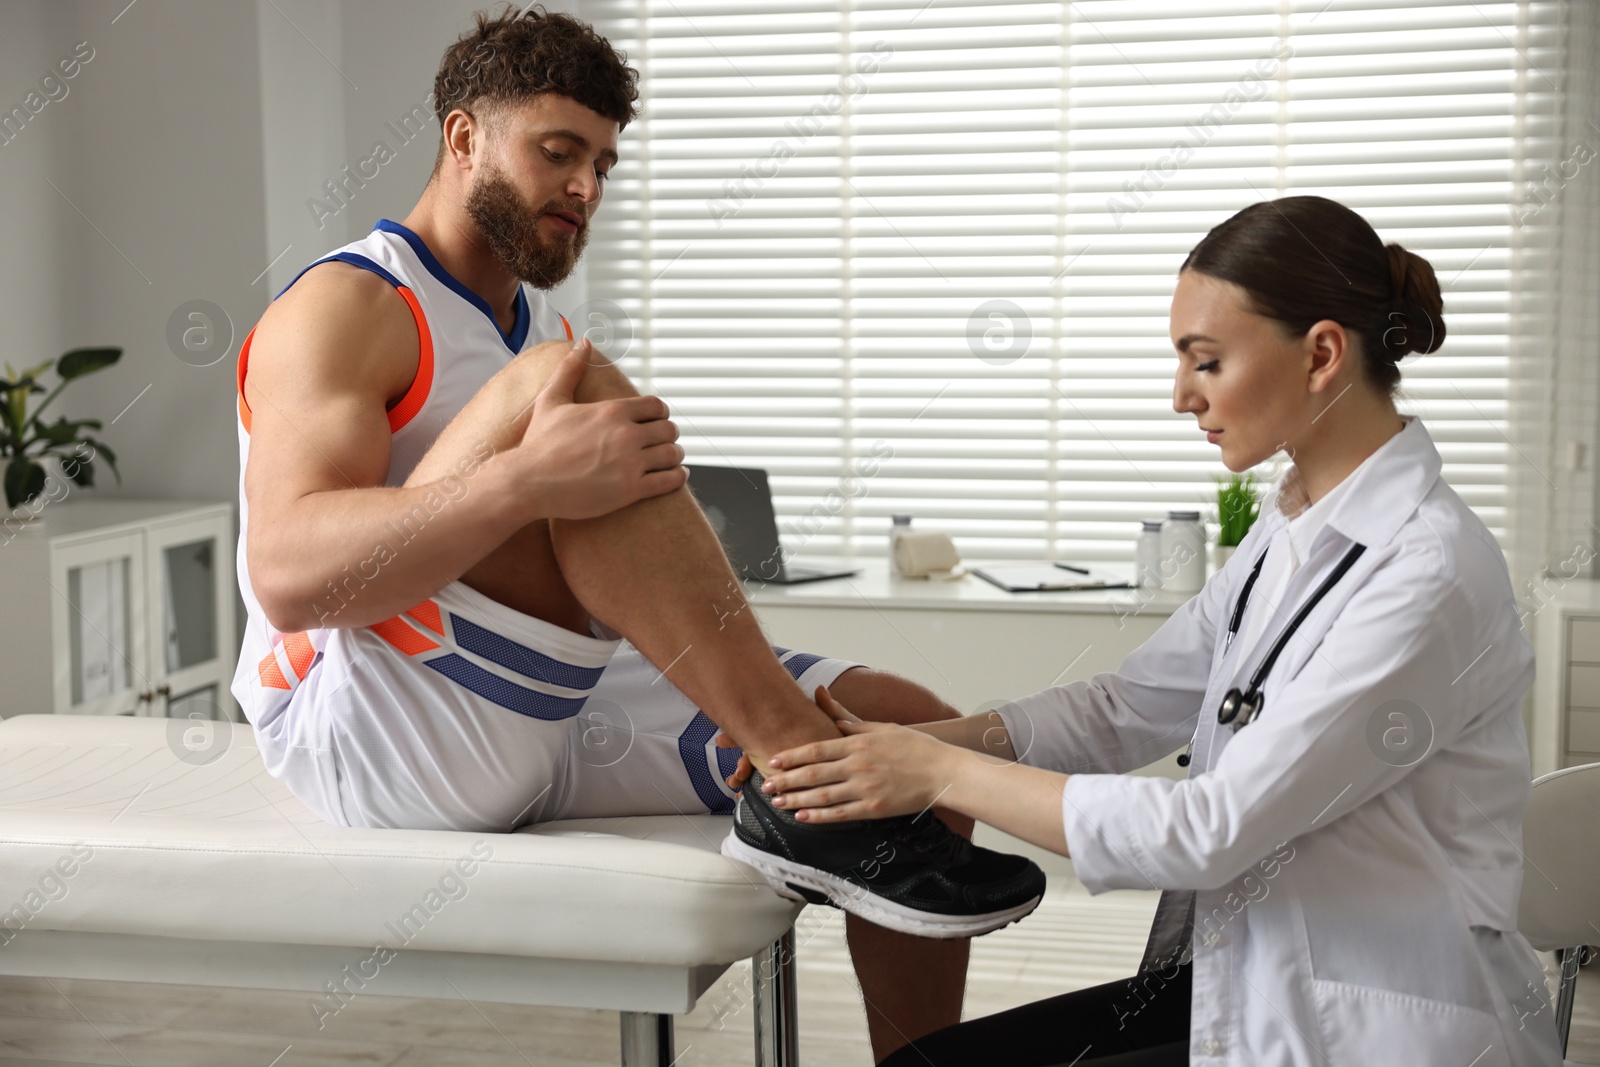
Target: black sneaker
point(907, 873)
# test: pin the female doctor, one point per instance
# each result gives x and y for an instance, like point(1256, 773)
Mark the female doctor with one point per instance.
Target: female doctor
point(1342, 864)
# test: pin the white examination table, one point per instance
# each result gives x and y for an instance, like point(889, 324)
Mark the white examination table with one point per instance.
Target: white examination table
point(128, 854)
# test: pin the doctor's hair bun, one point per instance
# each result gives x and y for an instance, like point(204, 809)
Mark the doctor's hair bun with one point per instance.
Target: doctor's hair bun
point(1305, 259)
point(1415, 323)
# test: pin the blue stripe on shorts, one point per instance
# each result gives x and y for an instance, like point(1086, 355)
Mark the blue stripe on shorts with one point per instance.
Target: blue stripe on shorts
point(692, 750)
point(799, 663)
point(528, 662)
point(507, 694)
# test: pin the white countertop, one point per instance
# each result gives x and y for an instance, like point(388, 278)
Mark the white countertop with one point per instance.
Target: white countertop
point(875, 587)
point(1579, 594)
point(81, 513)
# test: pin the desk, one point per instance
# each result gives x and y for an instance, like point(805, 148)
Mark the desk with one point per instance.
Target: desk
point(972, 643)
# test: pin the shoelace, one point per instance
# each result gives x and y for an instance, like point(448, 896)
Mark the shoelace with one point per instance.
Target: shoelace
point(932, 839)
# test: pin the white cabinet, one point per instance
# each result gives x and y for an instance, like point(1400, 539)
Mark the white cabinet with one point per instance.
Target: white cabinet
point(1566, 707)
point(119, 607)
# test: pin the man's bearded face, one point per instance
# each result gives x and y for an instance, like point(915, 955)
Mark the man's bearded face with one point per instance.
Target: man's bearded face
point(511, 229)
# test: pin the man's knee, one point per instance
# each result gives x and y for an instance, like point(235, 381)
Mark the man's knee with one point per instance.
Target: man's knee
point(882, 696)
point(498, 414)
point(532, 367)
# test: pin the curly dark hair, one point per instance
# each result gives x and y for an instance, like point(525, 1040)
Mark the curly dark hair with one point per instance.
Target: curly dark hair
point(516, 55)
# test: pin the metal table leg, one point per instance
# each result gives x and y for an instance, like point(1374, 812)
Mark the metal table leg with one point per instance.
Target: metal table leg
point(1567, 992)
point(646, 1039)
point(776, 1007)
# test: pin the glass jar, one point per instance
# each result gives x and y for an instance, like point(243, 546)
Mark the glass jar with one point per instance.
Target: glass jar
point(1147, 556)
point(898, 524)
point(1183, 552)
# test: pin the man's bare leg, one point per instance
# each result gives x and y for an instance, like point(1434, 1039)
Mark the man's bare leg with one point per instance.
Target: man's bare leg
point(912, 986)
point(653, 571)
point(659, 576)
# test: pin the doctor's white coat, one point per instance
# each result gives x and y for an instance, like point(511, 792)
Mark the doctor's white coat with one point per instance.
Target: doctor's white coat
point(1355, 853)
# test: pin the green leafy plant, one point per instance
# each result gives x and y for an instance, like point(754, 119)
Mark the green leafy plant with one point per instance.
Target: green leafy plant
point(26, 438)
point(1237, 507)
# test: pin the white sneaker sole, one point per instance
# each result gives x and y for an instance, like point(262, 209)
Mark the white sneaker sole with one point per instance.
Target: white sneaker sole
point(779, 873)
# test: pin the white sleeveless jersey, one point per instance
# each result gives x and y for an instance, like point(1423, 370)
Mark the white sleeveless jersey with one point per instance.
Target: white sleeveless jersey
point(460, 347)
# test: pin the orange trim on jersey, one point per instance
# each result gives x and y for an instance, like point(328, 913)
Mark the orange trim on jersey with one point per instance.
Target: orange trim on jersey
point(298, 648)
point(272, 674)
point(565, 325)
point(416, 394)
point(244, 357)
point(403, 637)
point(427, 613)
point(412, 402)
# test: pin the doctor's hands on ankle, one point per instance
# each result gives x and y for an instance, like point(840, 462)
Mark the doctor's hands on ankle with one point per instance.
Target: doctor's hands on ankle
point(876, 770)
point(583, 460)
point(741, 774)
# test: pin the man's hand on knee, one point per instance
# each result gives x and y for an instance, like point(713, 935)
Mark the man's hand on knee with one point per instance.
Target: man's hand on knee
point(582, 460)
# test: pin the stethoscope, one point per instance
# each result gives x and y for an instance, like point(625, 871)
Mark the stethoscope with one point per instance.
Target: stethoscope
point(1240, 709)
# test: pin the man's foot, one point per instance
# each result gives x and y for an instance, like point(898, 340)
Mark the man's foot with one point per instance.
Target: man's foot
point(908, 873)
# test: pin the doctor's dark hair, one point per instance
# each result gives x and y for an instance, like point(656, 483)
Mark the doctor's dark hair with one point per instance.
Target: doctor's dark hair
point(1302, 259)
point(513, 56)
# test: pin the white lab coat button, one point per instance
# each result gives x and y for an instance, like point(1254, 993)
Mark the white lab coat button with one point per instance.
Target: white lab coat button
point(1211, 1047)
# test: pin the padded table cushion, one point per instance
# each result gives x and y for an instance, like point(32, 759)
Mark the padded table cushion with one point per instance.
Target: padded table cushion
point(104, 828)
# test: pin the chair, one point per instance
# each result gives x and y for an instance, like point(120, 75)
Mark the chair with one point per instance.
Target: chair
point(1560, 909)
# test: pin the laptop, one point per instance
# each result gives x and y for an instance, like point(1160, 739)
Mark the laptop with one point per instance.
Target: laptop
point(738, 501)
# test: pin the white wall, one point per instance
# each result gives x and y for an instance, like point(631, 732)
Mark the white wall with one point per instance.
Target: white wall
point(164, 162)
point(36, 266)
point(33, 273)
point(157, 146)
point(393, 60)
point(302, 130)
point(190, 143)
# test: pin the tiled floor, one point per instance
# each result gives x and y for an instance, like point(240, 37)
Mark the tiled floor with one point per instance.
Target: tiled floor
point(1071, 941)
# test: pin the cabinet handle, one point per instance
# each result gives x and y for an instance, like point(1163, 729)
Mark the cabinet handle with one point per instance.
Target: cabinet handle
point(146, 696)
point(164, 691)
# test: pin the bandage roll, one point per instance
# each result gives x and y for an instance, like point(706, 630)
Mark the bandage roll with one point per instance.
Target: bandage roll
point(925, 554)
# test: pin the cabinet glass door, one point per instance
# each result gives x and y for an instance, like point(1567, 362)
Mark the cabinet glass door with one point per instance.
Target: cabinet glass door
point(100, 627)
point(189, 600)
point(191, 616)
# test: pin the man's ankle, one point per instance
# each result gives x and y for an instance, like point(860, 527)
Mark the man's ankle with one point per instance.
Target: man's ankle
point(773, 738)
point(771, 720)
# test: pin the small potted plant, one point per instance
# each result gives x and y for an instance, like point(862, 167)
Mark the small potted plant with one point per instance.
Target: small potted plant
point(25, 438)
point(1237, 508)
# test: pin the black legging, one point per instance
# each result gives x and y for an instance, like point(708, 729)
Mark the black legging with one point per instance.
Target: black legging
point(1136, 1022)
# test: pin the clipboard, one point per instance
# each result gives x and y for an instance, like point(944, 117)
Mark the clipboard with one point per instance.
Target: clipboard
point(1048, 577)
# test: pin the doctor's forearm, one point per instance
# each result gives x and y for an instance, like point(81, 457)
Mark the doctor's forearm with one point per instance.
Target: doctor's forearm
point(1023, 801)
point(985, 732)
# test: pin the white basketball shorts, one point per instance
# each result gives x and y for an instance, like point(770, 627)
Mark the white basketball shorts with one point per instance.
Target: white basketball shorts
point(464, 714)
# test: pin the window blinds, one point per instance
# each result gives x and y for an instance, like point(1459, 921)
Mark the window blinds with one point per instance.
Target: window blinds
point(917, 256)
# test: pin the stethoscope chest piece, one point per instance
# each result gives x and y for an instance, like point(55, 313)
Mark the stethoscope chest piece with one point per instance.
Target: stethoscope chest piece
point(1240, 709)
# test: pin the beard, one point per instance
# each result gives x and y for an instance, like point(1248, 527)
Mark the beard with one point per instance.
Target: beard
point(511, 230)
